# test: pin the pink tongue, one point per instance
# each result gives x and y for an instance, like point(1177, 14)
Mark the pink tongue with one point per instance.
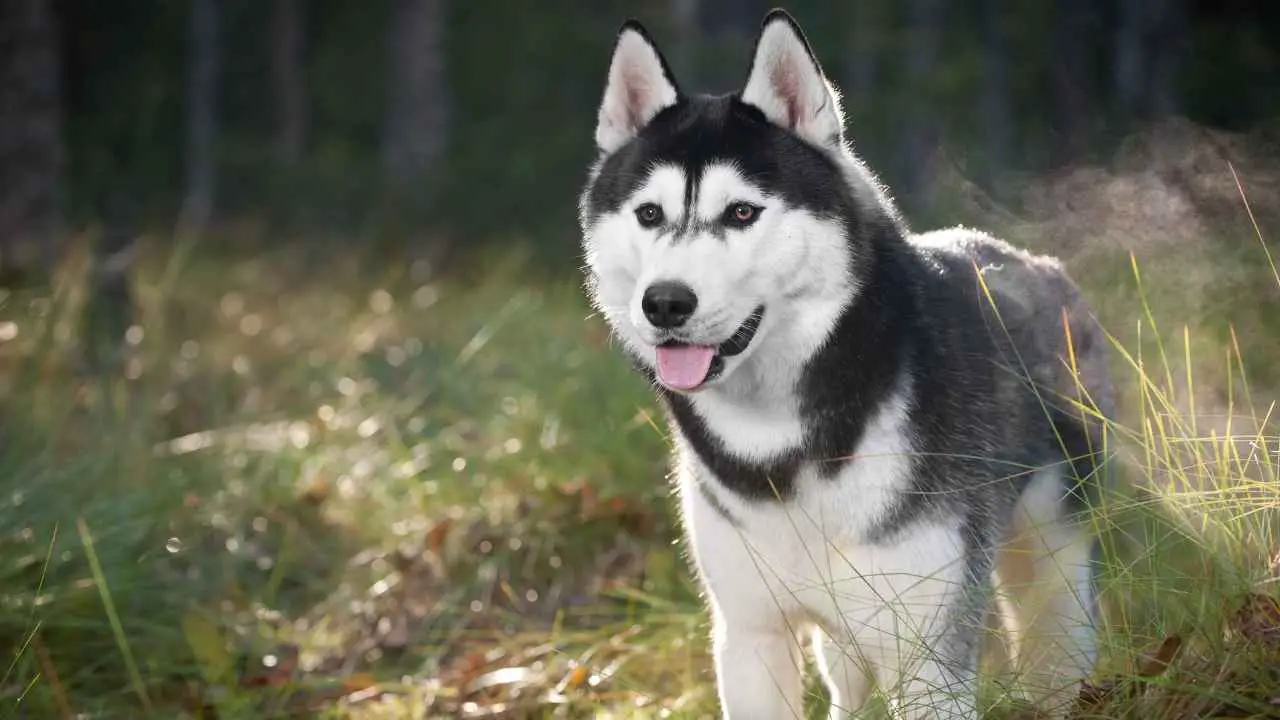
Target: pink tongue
point(684, 367)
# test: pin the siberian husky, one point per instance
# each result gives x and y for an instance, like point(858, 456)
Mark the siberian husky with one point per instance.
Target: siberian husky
point(880, 436)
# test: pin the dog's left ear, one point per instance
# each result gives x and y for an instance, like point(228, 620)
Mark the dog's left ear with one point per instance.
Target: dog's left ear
point(787, 83)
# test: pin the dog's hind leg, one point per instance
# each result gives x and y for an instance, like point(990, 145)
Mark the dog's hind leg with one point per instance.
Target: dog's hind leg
point(1044, 587)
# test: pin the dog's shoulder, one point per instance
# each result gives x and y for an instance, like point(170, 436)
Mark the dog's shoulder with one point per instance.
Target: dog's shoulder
point(1028, 298)
point(1025, 287)
point(960, 248)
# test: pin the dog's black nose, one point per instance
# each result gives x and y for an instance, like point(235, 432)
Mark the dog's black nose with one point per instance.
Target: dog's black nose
point(668, 304)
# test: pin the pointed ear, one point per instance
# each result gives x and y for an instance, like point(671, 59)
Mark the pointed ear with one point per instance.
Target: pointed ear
point(640, 86)
point(787, 83)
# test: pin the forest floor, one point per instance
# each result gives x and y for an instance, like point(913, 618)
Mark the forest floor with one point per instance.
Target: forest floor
point(364, 489)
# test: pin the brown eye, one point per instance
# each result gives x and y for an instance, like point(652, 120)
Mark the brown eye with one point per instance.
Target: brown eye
point(649, 215)
point(741, 214)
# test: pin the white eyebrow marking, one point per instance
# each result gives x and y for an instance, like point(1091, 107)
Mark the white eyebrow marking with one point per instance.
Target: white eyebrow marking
point(722, 184)
point(664, 188)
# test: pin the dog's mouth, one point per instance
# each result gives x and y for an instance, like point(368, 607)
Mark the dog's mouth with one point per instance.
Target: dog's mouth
point(685, 366)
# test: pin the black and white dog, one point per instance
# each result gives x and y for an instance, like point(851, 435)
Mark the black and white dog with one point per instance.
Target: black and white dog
point(879, 435)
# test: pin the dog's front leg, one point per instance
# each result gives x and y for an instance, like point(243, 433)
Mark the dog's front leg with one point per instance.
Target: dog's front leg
point(755, 640)
point(758, 659)
point(758, 668)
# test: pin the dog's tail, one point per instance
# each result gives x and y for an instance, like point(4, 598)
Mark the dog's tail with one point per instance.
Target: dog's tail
point(1084, 443)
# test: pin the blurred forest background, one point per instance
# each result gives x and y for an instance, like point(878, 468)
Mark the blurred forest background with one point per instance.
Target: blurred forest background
point(302, 408)
point(325, 117)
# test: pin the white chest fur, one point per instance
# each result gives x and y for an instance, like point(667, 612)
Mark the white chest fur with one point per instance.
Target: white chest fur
point(801, 550)
point(772, 568)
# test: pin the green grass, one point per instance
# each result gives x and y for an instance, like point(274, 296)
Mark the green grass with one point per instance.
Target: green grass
point(364, 489)
point(395, 474)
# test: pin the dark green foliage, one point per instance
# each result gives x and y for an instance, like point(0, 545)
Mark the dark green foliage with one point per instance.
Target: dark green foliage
point(524, 80)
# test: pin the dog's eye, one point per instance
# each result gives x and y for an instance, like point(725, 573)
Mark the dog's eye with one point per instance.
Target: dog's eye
point(741, 214)
point(649, 215)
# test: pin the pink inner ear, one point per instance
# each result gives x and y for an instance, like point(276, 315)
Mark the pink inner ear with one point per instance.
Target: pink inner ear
point(636, 97)
point(786, 83)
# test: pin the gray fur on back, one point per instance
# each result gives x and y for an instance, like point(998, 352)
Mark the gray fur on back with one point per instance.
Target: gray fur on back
point(1037, 304)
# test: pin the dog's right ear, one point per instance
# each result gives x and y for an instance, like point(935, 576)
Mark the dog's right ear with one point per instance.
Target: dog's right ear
point(640, 86)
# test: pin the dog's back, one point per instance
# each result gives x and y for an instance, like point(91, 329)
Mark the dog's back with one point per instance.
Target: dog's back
point(1048, 332)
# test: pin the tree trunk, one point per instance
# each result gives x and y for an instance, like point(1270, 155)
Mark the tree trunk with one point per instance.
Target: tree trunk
point(739, 18)
point(1168, 45)
point(728, 28)
point(30, 135)
point(995, 113)
point(289, 79)
point(110, 309)
point(920, 135)
point(1130, 56)
point(684, 21)
point(1150, 42)
point(417, 112)
point(202, 116)
point(1072, 80)
point(863, 66)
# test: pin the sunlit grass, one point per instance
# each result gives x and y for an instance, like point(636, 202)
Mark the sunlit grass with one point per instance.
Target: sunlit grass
point(379, 490)
point(355, 465)
point(1191, 543)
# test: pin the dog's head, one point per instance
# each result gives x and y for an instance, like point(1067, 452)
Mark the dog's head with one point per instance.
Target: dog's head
point(717, 230)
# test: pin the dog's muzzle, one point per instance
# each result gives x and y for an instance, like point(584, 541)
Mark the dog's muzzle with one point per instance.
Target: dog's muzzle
point(687, 366)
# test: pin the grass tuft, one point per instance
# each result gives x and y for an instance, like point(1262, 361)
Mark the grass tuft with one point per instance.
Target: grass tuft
point(113, 616)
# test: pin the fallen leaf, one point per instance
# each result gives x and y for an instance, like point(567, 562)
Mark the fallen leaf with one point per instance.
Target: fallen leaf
point(360, 696)
point(51, 677)
point(1258, 619)
point(1159, 662)
point(469, 667)
point(438, 533)
point(1093, 695)
point(358, 682)
point(577, 676)
point(317, 490)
